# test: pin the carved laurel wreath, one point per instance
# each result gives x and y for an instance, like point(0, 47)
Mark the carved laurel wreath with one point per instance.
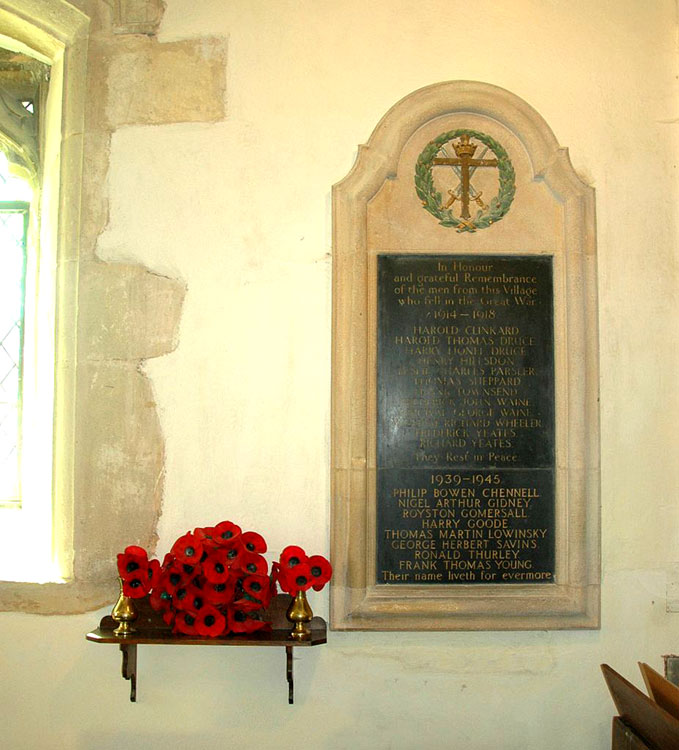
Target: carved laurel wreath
point(431, 198)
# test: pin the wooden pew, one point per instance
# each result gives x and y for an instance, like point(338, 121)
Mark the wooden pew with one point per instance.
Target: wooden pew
point(649, 724)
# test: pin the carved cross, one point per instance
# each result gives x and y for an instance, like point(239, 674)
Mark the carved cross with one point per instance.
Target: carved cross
point(467, 164)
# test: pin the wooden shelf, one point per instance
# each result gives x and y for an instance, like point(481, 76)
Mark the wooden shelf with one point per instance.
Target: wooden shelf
point(151, 630)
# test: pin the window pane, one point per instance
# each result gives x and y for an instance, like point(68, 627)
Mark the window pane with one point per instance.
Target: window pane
point(12, 290)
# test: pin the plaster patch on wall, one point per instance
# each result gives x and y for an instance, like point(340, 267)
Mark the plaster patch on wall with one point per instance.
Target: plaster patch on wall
point(151, 83)
point(97, 148)
point(138, 312)
point(119, 457)
point(127, 314)
point(530, 660)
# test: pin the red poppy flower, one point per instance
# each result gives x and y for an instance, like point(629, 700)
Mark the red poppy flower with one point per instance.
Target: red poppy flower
point(153, 574)
point(182, 596)
point(298, 578)
point(188, 549)
point(134, 587)
point(219, 594)
point(265, 598)
point(226, 532)
point(252, 563)
point(278, 577)
point(168, 617)
point(185, 622)
point(216, 566)
point(256, 586)
point(321, 571)
point(253, 542)
point(160, 599)
point(207, 536)
point(192, 571)
point(172, 578)
point(239, 622)
point(292, 556)
point(247, 604)
point(134, 551)
point(133, 562)
point(210, 622)
point(197, 581)
point(234, 551)
point(196, 599)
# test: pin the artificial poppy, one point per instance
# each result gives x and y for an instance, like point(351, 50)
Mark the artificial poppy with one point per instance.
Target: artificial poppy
point(253, 563)
point(256, 586)
point(265, 598)
point(134, 587)
point(219, 594)
point(188, 549)
point(160, 599)
point(210, 622)
point(216, 566)
point(182, 596)
point(207, 536)
point(321, 571)
point(298, 579)
point(185, 622)
point(133, 562)
point(247, 604)
point(135, 551)
point(195, 599)
point(253, 542)
point(292, 556)
point(239, 622)
point(172, 578)
point(226, 532)
point(153, 574)
point(234, 551)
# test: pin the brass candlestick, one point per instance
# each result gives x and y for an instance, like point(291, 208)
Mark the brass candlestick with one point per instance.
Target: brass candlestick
point(124, 612)
point(299, 612)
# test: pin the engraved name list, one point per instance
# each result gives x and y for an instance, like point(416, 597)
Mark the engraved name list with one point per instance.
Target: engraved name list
point(465, 420)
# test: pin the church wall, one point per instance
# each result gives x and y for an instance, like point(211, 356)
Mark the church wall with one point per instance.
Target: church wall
point(233, 204)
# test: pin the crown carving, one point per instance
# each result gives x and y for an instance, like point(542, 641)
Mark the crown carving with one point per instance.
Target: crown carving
point(464, 148)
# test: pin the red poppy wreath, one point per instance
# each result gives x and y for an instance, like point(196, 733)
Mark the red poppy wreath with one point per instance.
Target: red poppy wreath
point(215, 580)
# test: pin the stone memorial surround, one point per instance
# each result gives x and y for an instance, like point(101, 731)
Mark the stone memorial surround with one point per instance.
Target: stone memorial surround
point(376, 211)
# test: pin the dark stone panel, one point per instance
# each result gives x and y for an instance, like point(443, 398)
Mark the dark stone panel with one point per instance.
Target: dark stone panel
point(465, 526)
point(465, 391)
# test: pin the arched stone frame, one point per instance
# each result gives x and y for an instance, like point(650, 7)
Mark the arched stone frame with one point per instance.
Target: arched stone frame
point(357, 602)
point(108, 447)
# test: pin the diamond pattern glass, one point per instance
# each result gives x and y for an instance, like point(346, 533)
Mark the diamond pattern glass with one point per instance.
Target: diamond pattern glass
point(13, 222)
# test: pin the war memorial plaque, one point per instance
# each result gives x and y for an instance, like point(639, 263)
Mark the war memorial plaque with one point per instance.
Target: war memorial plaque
point(465, 433)
point(465, 419)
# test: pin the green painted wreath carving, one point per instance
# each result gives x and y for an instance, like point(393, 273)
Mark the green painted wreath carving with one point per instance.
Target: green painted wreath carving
point(431, 198)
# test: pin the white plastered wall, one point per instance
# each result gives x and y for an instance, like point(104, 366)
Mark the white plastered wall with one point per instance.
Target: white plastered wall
point(240, 211)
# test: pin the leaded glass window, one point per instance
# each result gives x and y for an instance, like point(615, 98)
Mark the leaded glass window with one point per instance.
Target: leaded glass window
point(29, 188)
point(14, 215)
point(13, 226)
